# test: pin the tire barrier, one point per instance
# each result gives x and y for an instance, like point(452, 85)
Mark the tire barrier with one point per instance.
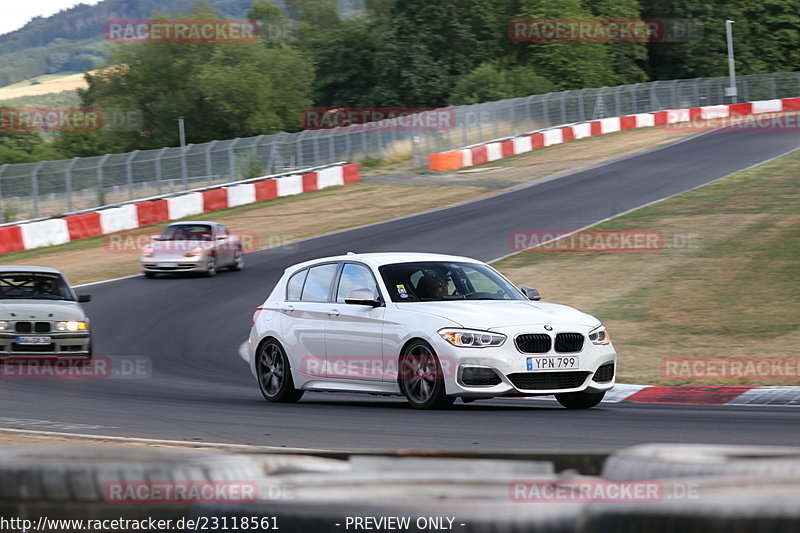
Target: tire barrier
point(661, 461)
point(295, 493)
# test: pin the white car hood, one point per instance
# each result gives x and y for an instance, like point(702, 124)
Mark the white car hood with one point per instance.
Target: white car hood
point(489, 314)
point(28, 309)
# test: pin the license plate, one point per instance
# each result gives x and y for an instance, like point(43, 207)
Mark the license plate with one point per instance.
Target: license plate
point(169, 265)
point(552, 363)
point(34, 341)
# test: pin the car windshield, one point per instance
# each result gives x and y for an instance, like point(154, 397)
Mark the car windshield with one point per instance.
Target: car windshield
point(445, 281)
point(186, 232)
point(34, 286)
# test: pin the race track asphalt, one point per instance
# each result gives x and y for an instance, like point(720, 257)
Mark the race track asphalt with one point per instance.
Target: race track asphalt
point(198, 389)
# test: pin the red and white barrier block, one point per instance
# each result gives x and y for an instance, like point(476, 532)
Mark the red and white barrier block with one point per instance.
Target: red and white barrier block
point(701, 395)
point(36, 234)
point(493, 150)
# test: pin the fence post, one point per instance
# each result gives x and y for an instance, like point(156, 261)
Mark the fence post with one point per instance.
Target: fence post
point(129, 173)
point(546, 112)
point(2, 209)
point(316, 150)
point(184, 170)
point(68, 182)
point(232, 158)
point(209, 170)
point(159, 157)
point(101, 197)
point(35, 188)
point(674, 92)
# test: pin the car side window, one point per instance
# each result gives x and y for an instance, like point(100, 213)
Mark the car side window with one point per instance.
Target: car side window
point(294, 287)
point(318, 283)
point(356, 281)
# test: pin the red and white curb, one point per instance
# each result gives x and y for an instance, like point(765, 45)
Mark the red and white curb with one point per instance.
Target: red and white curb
point(501, 148)
point(702, 395)
point(137, 214)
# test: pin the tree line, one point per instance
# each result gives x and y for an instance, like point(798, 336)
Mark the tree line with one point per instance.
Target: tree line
point(388, 53)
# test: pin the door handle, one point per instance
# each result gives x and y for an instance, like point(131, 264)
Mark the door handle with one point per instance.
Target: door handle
point(333, 312)
point(287, 309)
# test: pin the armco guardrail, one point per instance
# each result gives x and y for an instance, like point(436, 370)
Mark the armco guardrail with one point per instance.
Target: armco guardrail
point(147, 211)
point(48, 188)
point(519, 144)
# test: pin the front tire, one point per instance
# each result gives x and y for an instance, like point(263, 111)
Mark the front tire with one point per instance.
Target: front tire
point(211, 267)
point(274, 374)
point(150, 275)
point(421, 378)
point(580, 400)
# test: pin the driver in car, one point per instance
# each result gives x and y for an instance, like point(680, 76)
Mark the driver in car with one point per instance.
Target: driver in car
point(45, 288)
point(431, 286)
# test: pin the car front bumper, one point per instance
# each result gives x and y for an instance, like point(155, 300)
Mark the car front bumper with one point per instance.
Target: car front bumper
point(175, 263)
point(502, 371)
point(63, 345)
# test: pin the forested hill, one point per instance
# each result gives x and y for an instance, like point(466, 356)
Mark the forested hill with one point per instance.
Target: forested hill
point(72, 40)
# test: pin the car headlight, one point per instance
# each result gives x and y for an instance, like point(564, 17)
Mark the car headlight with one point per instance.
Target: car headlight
point(3, 325)
point(470, 338)
point(195, 251)
point(148, 250)
point(72, 325)
point(599, 335)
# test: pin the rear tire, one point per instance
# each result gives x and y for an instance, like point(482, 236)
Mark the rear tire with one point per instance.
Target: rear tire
point(238, 261)
point(580, 400)
point(421, 378)
point(275, 374)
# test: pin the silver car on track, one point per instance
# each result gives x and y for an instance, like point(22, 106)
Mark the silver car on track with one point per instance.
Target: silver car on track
point(193, 246)
point(41, 316)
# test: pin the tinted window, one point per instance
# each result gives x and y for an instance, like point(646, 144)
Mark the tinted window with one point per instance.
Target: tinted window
point(294, 287)
point(34, 285)
point(187, 232)
point(443, 281)
point(318, 283)
point(356, 278)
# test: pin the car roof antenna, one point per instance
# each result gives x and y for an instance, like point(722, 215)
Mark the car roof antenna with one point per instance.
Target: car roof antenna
point(351, 253)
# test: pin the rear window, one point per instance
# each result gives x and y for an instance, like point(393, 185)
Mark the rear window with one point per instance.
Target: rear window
point(187, 232)
point(318, 283)
point(34, 286)
point(294, 287)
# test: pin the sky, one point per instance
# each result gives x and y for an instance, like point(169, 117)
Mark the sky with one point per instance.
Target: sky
point(14, 14)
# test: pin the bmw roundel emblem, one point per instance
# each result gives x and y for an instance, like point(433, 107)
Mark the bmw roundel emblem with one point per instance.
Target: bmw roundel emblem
point(548, 327)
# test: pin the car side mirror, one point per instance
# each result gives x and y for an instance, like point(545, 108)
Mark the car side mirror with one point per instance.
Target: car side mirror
point(363, 297)
point(156, 237)
point(531, 294)
point(220, 237)
point(83, 298)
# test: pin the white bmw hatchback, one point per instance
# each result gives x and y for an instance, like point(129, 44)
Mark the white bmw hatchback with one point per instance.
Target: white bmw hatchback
point(430, 327)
